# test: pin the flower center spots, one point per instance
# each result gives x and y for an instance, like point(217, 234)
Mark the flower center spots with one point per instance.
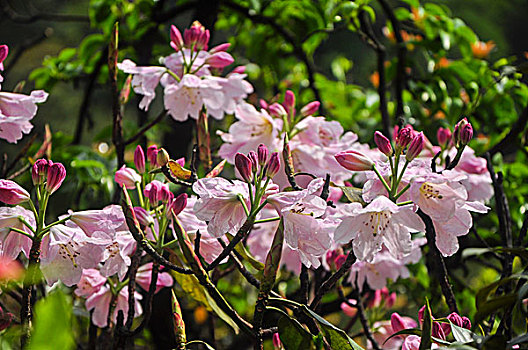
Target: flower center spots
point(113, 249)
point(298, 208)
point(428, 191)
point(377, 222)
point(67, 251)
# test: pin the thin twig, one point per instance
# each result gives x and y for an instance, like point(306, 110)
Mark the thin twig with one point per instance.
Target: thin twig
point(364, 321)
point(145, 128)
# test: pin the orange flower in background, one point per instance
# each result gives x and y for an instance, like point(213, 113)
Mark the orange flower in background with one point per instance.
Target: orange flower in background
point(374, 79)
point(482, 49)
point(464, 96)
point(442, 63)
point(417, 14)
point(439, 115)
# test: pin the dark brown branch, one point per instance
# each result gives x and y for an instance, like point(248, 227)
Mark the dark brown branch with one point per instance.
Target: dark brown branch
point(19, 156)
point(145, 128)
point(240, 266)
point(364, 321)
point(437, 262)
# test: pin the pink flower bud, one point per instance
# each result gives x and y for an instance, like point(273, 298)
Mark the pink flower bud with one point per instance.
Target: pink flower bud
point(139, 159)
point(262, 152)
point(310, 109)
point(455, 319)
point(197, 35)
point(152, 155)
point(277, 110)
point(4, 51)
point(164, 194)
point(178, 204)
point(389, 300)
point(466, 323)
point(203, 40)
point(243, 165)
point(376, 300)
point(162, 158)
point(263, 104)
point(12, 193)
point(289, 100)
point(397, 323)
point(349, 310)
point(466, 134)
point(331, 255)
point(239, 70)
point(276, 341)
point(124, 94)
point(405, 136)
point(339, 261)
point(152, 191)
point(39, 171)
point(144, 218)
point(220, 48)
point(127, 177)
point(415, 147)
point(462, 134)
point(252, 155)
point(56, 175)
point(176, 38)
point(383, 143)
point(273, 166)
point(354, 160)
point(220, 60)
point(443, 135)
point(438, 331)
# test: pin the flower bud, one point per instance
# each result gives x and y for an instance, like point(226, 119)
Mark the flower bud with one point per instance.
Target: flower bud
point(263, 104)
point(220, 48)
point(462, 133)
point(348, 310)
point(127, 177)
point(405, 136)
point(421, 314)
point(239, 70)
point(289, 101)
point(262, 152)
point(354, 160)
point(220, 60)
point(273, 166)
point(466, 134)
point(56, 175)
point(152, 154)
point(339, 261)
point(162, 158)
point(181, 161)
point(197, 35)
point(164, 194)
point(455, 319)
point(243, 165)
point(415, 147)
point(383, 143)
point(124, 94)
point(139, 159)
point(389, 300)
point(277, 110)
point(254, 160)
point(466, 323)
point(310, 109)
point(12, 193)
point(276, 341)
point(179, 324)
point(397, 323)
point(176, 38)
point(178, 204)
point(152, 191)
point(39, 171)
point(443, 135)
point(144, 218)
point(4, 51)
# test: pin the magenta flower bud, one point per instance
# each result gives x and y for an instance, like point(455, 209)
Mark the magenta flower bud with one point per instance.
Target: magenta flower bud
point(439, 331)
point(243, 165)
point(455, 319)
point(263, 104)
point(178, 204)
point(144, 218)
point(443, 135)
point(390, 300)
point(289, 101)
point(220, 60)
point(339, 261)
point(397, 323)
point(277, 110)
point(262, 152)
point(139, 159)
point(276, 341)
point(466, 134)
point(152, 155)
point(415, 147)
point(203, 40)
point(466, 323)
point(220, 48)
point(457, 132)
point(405, 136)
point(254, 160)
point(421, 314)
point(4, 51)
point(310, 109)
point(273, 166)
point(164, 194)
point(239, 70)
point(176, 38)
point(152, 191)
point(39, 171)
point(56, 175)
point(383, 143)
point(127, 177)
point(354, 160)
point(12, 193)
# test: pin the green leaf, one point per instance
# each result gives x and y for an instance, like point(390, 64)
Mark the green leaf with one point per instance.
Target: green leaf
point(492, 305)
point(52, 326)
point(337, 338)
point(427, 328)
point(461, 335)
point(353, 194)
point(207, 346)
point(409, 331)
point(293, 336)
point(192, 288)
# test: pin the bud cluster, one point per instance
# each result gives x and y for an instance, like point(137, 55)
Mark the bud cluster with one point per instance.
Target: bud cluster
point(257, 165)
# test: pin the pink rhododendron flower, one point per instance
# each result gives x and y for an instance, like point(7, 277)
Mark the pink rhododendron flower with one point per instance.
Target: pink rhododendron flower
point(381, 222)
point(12, 193)
point(100, 302)
point(144, 81)
point(219, 204)
point(116, 255)
point(11, 242)
point(90, 283)
point(128, 177)
point(252, 129)
point(16, 112)
point(144, 277)
point(104, 221)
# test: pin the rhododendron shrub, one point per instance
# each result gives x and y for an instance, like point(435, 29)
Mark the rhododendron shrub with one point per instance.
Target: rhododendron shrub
point(285, 226)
